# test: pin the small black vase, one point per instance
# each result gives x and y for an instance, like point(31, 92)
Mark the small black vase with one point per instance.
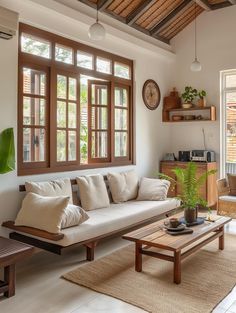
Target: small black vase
point(190, 215)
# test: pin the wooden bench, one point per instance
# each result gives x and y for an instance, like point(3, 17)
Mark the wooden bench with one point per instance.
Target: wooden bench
point(20, 232)
point(11, 252)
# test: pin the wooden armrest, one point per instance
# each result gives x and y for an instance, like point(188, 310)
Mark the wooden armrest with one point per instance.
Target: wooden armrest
point(222, 187)
point(33, 231)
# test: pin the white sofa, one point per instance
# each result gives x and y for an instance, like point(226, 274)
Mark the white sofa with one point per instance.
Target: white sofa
point(117, 218)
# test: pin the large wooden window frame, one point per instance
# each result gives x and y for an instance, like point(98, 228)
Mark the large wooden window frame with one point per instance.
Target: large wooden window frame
point(52, 67)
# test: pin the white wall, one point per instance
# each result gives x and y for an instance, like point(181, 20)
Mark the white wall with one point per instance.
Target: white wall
point(150, 62)
point(216, 52)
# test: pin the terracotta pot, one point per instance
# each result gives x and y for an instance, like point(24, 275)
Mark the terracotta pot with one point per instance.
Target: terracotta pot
point(201, 102)
point(190, 215)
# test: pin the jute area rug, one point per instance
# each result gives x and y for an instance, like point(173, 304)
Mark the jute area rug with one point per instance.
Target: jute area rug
point(207, 277)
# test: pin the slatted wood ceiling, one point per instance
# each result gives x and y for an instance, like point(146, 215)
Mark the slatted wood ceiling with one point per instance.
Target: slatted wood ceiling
point(161, 19)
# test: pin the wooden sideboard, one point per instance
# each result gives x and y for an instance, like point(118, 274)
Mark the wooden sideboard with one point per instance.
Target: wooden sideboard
point(208, 190)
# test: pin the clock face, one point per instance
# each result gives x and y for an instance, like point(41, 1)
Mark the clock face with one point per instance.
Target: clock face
point(151, 94)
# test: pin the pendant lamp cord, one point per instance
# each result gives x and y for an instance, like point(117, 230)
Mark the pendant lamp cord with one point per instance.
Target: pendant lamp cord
point(195, 30)
point(97, 14)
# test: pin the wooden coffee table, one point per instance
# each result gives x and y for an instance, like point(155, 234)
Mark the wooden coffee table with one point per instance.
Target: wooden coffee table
point(154, 235)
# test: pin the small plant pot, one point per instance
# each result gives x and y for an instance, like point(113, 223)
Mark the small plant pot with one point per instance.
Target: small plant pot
point(190, 215)
point(201, 102)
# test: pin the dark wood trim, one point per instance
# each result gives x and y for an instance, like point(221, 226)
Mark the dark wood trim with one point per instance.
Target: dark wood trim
point(232, 1)
point(135, 14)
point(89, 3)
point(222, 5)
point(204, 4)
point(103, 4)
point(171, 16)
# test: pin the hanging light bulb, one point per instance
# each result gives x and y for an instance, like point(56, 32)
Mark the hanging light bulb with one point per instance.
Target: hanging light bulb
point(97, 31)
point(196, 65)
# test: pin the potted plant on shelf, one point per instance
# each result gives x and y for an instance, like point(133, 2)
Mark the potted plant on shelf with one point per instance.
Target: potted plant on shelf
point(190, 186)
point(202, 98)
point(188, 96)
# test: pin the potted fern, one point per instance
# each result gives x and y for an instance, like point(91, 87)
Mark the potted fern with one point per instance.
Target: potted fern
point(190, 189)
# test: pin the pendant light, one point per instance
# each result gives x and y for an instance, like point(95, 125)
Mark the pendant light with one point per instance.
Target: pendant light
point(196, 65)
point(97, 31)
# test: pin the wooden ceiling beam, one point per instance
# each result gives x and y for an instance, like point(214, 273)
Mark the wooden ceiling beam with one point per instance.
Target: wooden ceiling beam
point(143, 7)
point(103, 4)
point(204, 4)
point(170, 17)
point(89, 3)
point(221, 5)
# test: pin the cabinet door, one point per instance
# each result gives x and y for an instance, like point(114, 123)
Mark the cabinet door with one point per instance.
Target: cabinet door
point(167, 170)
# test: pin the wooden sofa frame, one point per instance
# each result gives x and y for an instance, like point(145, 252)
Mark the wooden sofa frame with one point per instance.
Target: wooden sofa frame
point(90, 244)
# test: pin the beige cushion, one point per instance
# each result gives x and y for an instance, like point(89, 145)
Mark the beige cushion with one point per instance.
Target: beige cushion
point(59, 187)
point(153, 189)
point(123, 186)
point(73, 215)
point(93, 192)
point(232, 184)
point(40, 212)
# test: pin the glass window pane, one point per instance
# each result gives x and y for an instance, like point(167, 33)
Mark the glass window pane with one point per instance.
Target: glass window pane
point(64, 54)
point(72, 145)
point(121, 97)
point(72, 115)
point(83, 120)
point(122, 70)
point(36, 46)
point(61, 145)
point(230, 81)
point(61, 114)
point(33, 111)
point(121, 144)
point(99, 118)
point(34, 82)
point(72, 88)
point(99, 144)
point(99, 94)
point(33, 145)
point(120, 119)
point(61, 87)
point(84, 60)
point(103, 65)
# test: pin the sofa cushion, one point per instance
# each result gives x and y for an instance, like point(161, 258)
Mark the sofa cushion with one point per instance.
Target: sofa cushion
point(73, 215)
point(59, 187)
point(228, 198)
point(232, 184)
point(93, 192)
point(123, 186)
point(40, 212)
point(153, 189)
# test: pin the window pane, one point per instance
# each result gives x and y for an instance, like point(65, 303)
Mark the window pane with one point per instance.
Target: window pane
point(61, 87)
point(72, 115)
point(121, 97)
point(103, 65)
point(84, 60)
point(36, 46)
point(99, 144)
point(33, 145)
point(120, 144)
point(33, 111)
point(120, 119)
point(99, 94)
point(34, 82)
point(64, 54)
point(72, 145)
point(72, 88)
point(99, 118)
point(61, 114)
point(230, 81)
point(122, 70)
point(83, 120)
point(61, 145)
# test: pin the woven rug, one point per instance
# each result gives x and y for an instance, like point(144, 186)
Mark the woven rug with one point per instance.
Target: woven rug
point(207, 277)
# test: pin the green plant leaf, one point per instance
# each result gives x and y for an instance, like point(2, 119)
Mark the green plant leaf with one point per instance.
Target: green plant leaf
point(7, 151)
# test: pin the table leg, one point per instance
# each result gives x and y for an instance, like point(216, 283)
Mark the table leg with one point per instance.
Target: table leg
point(138, 257)
point(9, 278)
point(177, 267)
point(222, 239)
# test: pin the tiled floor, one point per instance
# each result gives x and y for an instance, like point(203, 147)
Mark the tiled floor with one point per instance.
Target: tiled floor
point(40, 289)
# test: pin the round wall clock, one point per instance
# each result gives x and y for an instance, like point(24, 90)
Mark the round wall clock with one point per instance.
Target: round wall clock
point(151, 94)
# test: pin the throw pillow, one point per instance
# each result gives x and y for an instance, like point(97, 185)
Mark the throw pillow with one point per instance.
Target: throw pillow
point(59, 187)
point(40, 212)
point(93, 192)
point(153, 189)
point(73, 216)
point(123, 186)
point(232, 184)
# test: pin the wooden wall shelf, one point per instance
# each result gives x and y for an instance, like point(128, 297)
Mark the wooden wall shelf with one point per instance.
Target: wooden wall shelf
point(211, 114)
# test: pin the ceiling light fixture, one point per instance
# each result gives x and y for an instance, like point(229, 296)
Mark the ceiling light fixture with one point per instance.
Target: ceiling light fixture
point(196, 65)
point(97, 31)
